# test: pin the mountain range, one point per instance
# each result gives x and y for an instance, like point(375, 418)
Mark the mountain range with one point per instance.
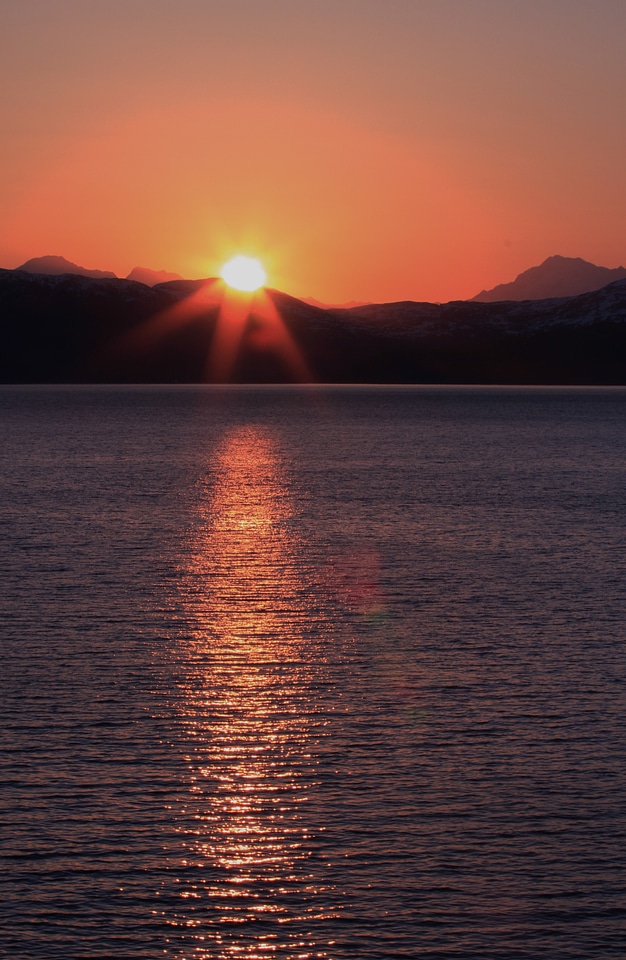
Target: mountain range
point(555, 277)
point(71, 328)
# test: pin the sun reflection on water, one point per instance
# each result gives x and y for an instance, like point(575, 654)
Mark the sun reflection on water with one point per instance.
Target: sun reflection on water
point(251, 718)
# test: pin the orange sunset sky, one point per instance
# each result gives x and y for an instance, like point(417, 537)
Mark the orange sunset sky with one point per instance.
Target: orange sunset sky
point(361, 149)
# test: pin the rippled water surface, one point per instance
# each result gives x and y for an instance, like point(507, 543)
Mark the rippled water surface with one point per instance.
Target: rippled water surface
point(312, 673)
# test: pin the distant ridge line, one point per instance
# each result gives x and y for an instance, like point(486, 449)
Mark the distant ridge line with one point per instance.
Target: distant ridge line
point(557, 276)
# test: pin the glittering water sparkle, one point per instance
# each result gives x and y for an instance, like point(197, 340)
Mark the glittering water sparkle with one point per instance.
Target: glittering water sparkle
point(325, 672)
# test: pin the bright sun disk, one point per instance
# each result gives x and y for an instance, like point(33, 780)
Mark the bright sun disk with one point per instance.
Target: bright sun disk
point(244, 273)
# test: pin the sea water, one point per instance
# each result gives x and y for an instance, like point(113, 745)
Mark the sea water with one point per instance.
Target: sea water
point(318, 672)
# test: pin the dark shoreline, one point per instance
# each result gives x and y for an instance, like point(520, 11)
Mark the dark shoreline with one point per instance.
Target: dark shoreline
point(71, 329)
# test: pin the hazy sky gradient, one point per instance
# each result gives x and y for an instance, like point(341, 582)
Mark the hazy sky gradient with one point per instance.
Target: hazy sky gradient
point(420, 149)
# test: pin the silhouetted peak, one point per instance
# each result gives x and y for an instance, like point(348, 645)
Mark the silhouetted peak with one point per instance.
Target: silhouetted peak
point(557, 276)
point(59, 265)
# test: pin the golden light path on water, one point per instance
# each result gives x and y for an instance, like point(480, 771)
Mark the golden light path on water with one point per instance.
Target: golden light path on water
point(251, 716)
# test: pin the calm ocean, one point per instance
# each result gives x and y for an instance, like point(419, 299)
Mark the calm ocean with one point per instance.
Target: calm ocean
point(312, 673)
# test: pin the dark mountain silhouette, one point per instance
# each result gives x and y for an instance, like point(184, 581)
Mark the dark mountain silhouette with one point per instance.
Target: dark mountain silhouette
point(151, 277)
point(59, 265)
point(77, 329)
point(555, 277)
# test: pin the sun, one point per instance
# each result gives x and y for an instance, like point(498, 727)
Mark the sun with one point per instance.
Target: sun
point(244, 273)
